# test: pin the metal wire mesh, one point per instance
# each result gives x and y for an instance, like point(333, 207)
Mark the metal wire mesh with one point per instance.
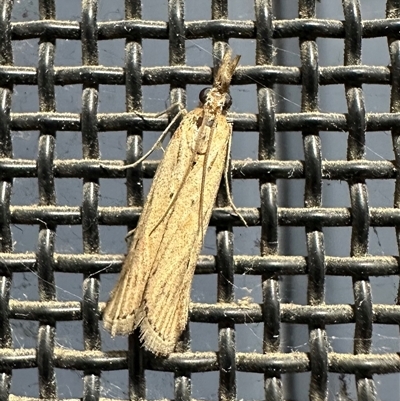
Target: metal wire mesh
point(36, 303)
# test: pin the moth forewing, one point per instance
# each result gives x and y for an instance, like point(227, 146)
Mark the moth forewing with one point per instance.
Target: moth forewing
point(153, 291)
point(167, 295)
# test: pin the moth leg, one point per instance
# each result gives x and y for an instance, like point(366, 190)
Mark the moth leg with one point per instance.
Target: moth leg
point(159, 140)
point(129, 234)
point(170, 108)
point(228, 191)
point(209, 125)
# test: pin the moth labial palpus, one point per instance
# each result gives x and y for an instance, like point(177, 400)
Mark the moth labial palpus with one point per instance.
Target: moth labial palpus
point(153, 290)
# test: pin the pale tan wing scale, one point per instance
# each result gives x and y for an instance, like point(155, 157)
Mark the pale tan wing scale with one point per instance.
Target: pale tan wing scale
point(176, 234)
point(161, 325)
point(121, 315)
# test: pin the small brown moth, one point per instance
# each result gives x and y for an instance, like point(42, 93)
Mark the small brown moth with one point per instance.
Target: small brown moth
point(153, 290)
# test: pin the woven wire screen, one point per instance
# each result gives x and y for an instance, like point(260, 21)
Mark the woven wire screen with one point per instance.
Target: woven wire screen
point(303, 302)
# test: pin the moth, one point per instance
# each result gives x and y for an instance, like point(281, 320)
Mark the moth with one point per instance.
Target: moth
point(153, 290)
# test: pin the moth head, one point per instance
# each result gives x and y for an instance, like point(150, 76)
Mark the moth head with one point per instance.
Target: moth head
point(203, 95)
